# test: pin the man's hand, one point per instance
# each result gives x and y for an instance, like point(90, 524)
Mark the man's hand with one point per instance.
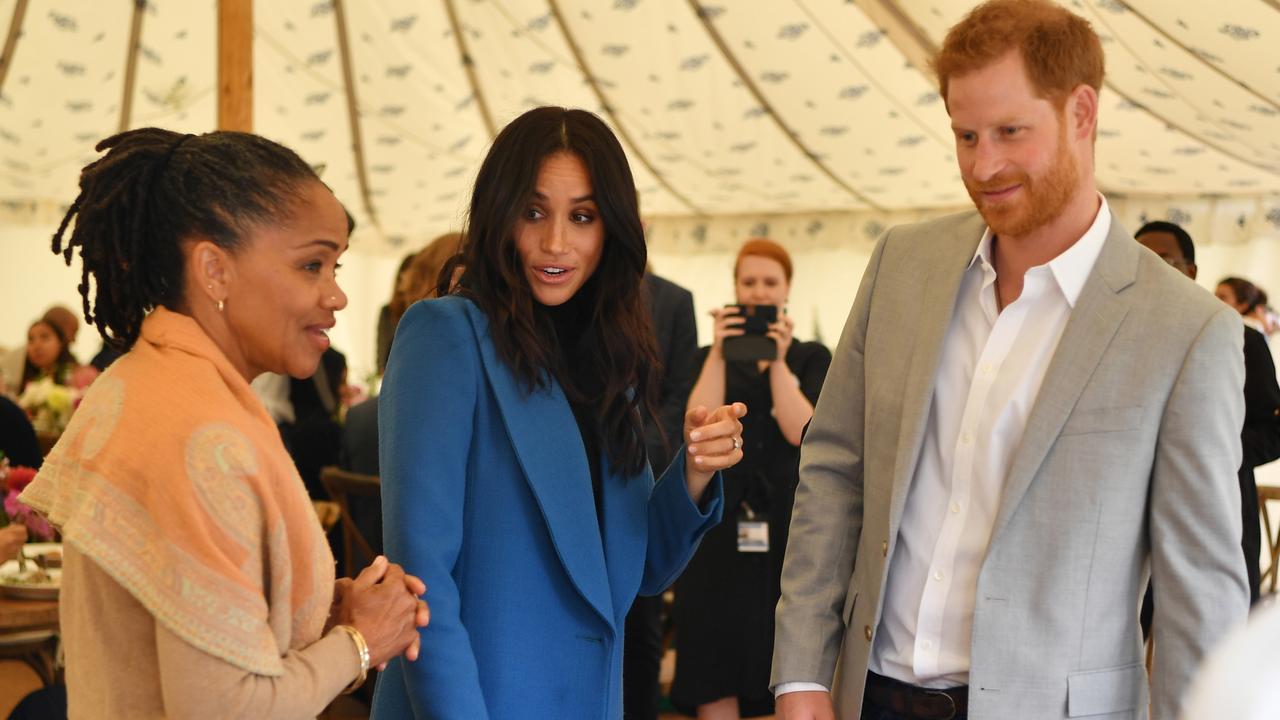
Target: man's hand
point(805, 705)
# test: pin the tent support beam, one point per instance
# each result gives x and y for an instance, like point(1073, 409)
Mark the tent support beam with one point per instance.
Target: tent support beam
point(1216, 70)
point(944, 140)
point(607, 108)
point(353, 112)
point(469, 67)
point(911, 41)
point(235, 64)
point(11, 40)
point(764, 103)
point(131, 64)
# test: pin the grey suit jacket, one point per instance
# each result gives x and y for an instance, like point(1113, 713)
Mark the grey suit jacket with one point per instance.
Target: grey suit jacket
point(1127, 468)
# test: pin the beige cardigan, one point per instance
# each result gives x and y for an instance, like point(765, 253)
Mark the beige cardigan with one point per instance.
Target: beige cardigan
point(198, 580)
point(122, 663)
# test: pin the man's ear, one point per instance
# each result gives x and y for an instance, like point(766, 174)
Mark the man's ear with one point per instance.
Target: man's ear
point(1082, 108)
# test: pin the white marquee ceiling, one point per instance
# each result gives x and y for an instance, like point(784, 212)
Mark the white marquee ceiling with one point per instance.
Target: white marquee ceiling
point(726, 107)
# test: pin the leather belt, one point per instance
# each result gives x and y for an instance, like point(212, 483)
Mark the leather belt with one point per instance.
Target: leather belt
point(916, 702)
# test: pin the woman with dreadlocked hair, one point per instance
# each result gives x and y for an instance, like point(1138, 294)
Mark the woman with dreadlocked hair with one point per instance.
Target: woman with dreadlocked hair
point(196, 578)
point(515, 477)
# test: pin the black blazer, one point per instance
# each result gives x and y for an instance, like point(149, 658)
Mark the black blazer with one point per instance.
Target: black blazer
point(17, 436)
point(1260, 438)
point(671, 308)
point(1260, 443)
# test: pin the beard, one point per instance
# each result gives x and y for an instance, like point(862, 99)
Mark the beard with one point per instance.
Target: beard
point(1039, 201)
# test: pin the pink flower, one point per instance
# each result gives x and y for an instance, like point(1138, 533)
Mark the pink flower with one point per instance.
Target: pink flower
point(20, 513)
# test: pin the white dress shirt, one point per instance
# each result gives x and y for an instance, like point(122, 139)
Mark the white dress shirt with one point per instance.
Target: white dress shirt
point(992, 365)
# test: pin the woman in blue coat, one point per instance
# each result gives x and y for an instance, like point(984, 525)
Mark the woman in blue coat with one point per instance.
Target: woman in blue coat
point(515, 482)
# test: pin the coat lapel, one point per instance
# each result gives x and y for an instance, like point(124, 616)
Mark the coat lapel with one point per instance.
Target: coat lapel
point(940, 288)
point(1097, 315)
point(549, 446)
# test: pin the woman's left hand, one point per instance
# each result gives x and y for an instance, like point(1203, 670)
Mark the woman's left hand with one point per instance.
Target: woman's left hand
point(713, 442)
point(781, 332)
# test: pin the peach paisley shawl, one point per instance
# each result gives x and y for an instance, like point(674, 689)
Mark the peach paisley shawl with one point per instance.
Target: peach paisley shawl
point(174, 480)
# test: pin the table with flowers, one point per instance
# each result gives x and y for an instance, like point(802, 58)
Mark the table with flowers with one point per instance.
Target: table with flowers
point(28, 623)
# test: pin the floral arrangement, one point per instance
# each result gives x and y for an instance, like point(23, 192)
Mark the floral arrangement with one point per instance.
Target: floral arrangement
point(14, 480)
point(49, 404)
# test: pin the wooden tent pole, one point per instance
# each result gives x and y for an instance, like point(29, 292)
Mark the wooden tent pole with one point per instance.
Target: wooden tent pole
point(353, 112)
point(11, 41)
point(131, 64)
point(235, 65)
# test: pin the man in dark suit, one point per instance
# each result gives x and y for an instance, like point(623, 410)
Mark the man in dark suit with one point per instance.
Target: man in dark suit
point(1260, 437)
point(360, 438)
point(671, 309)
point(359, 453)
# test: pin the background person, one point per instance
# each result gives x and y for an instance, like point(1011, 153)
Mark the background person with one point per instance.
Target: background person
point(1247, 299)
point(676, 332)
point(18, 441)
point(389, 315)
point(49, 356)
point(1260, 436)
point(726, 597)
point(358, 451)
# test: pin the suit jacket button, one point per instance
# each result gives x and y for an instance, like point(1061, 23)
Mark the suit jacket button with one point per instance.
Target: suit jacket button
point(867, 631)
point(884, 548)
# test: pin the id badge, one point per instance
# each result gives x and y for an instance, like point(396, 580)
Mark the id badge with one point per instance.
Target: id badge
point(753, 536)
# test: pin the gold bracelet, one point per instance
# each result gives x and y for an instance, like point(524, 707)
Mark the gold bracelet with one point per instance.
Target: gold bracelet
point(362, 648)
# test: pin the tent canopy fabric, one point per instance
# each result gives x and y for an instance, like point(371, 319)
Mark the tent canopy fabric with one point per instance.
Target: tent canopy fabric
point(794, 108)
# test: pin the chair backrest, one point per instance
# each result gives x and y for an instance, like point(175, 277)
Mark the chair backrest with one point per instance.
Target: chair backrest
point(342, 486)
point(47, 441)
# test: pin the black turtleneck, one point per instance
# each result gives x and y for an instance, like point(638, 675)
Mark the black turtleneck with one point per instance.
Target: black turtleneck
point(570, 320)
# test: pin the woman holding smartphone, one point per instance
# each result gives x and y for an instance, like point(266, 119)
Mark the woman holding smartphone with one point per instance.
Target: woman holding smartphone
point(725, 598)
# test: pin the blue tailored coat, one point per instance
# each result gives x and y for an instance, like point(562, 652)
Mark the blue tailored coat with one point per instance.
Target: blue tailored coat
point(486, 496)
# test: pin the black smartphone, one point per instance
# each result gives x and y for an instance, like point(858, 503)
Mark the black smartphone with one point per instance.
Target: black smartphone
point(752, 345)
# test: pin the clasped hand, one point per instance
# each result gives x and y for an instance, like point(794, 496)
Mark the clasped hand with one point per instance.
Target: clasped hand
point(383, 603)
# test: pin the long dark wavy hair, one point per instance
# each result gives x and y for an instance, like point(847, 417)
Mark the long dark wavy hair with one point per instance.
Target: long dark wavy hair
point(621, 364)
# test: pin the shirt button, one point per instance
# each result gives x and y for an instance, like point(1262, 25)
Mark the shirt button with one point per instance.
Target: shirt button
point(927, 645)
point(988, 368)
point(966, 438)
point(937, 575)
point(955, 508)
point(884, 548)
point(866, 630)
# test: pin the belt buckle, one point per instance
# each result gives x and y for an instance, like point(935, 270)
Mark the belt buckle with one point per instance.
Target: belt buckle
point(949, 707)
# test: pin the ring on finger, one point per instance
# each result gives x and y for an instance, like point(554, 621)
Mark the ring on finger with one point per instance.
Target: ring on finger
point(737, 443)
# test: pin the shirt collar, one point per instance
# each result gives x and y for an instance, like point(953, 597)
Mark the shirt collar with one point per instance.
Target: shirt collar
point(1071, 268)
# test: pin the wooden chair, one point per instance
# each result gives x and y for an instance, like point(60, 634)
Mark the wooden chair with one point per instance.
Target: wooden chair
point(37, 648)
point(328, 512)
point(1272, 539)
point(343, 485)
point(47, 441)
